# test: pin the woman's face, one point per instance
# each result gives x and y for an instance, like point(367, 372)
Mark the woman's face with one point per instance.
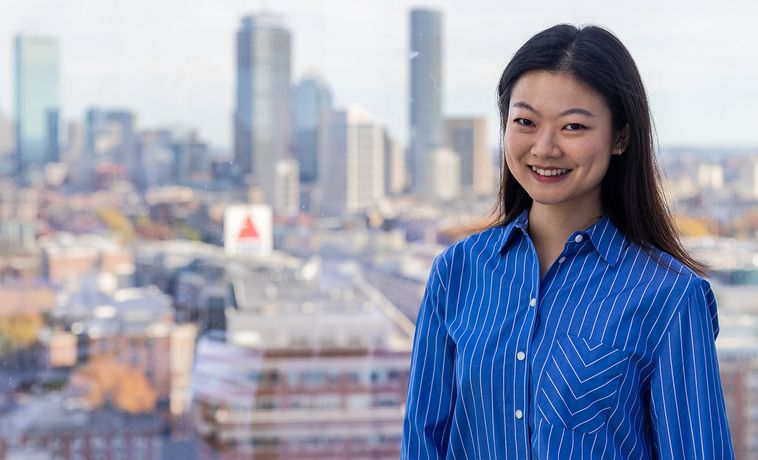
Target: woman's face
point(558, 139)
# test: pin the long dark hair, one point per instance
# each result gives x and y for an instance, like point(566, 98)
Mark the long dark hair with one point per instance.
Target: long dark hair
point(631, 194)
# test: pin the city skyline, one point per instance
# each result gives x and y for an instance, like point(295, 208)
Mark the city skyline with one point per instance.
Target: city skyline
point(696, 59)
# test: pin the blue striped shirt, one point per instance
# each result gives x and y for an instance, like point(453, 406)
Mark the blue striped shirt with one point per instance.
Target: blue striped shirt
point(610, 356)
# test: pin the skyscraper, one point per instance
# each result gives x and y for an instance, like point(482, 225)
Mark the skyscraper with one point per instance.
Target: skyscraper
point(311, 102)
point(354, 156)
point(263, 115)
point(37, 101)
point(426, 133)
point(468, 137)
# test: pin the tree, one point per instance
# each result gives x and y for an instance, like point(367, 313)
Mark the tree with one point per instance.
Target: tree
point(106, 380)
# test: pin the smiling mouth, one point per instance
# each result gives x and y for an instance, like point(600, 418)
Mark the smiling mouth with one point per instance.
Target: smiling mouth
point(550, 172)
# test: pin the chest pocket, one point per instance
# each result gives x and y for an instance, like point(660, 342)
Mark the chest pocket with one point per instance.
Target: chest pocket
point(580, 384)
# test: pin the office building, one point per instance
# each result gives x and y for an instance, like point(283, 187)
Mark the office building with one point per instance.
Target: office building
point(7, 144)
point(287, 194)
point(111, 142)
point(426, 91)
point(443, 175)
point(312, 101)
point(354, 156)
point(395, 177)
point(191, 158)
point(312, 364)
point(263, 114)
point(468, 138)
point(37, 101)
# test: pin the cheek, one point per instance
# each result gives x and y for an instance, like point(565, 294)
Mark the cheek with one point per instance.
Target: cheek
point(513, 148)
point(594, 155)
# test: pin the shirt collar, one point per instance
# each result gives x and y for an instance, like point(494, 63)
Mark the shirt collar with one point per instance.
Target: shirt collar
point(512, 228)
point(608, 240)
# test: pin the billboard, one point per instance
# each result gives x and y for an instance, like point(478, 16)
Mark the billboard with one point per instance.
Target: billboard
point(248, 230)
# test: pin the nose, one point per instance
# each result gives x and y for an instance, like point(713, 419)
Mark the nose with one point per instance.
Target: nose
point(544, 145)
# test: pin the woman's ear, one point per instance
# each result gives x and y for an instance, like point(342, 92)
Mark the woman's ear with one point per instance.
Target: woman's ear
point(622, 140)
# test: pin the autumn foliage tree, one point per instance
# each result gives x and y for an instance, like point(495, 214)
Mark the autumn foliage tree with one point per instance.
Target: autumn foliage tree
point(106, 380)
point(19, 330)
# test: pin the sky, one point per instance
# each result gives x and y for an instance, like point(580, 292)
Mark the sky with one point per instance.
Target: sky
point(172, 61)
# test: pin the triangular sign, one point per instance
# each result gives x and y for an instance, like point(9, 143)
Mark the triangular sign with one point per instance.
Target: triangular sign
point(248, 230)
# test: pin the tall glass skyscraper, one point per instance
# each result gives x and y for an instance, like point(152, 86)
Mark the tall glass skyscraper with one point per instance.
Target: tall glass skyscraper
point(312, 102)
point(263, 116)
point(37, 101)
point(426, 133)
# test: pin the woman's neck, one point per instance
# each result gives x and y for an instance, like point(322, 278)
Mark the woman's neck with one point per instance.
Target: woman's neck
point(550, 225)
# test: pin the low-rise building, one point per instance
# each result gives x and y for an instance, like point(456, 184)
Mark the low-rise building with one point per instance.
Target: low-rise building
point(313, 363)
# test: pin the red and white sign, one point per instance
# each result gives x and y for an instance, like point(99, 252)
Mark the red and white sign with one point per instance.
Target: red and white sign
point(248, 230)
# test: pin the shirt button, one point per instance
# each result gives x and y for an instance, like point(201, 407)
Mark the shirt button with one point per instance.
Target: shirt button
point(578, 238)
point(562, 259)
point(533, 303)
point(519, 414)
point(520, 355)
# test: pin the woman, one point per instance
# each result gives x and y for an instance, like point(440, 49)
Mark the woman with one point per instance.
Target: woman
point(578, 326)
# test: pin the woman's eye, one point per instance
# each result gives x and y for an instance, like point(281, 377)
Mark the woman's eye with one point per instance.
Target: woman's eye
point(574, 127)
point(523, 122)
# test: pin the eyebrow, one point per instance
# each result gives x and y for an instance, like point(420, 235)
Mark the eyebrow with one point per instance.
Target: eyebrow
point(571, 111)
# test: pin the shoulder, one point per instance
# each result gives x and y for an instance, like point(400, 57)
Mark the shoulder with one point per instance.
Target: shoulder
point(688, 292)
point(663, 268)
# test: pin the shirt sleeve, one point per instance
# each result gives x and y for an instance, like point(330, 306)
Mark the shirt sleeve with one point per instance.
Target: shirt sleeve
point(431, 387)
point(687, 402)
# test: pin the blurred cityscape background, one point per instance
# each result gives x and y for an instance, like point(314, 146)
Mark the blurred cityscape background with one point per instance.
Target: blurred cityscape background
point(168, 296)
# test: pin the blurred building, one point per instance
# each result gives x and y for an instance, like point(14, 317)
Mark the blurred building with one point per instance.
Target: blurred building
point(191, 159)
point(73, 152)
point(402, 275)
point(19, 208)
point(66, 256)
point(132, 327)
point(443, 175)
point(747, 177)
point(313, 364)
point(58, 426)
point(263, 114)
point(312, 101)
point(737, 347)
point(354, 156)
point(7, 144)
point(287, 191)
point(426, 90)
point(111, 139)
point(468, 138)
point(395, 174)
point(37, 101)
point(710, 176)
point(157, 157)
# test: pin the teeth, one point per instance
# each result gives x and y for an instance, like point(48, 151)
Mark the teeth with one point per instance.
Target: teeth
point(549, 172)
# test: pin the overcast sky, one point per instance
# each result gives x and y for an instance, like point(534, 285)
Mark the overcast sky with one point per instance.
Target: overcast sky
point(172, 61)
